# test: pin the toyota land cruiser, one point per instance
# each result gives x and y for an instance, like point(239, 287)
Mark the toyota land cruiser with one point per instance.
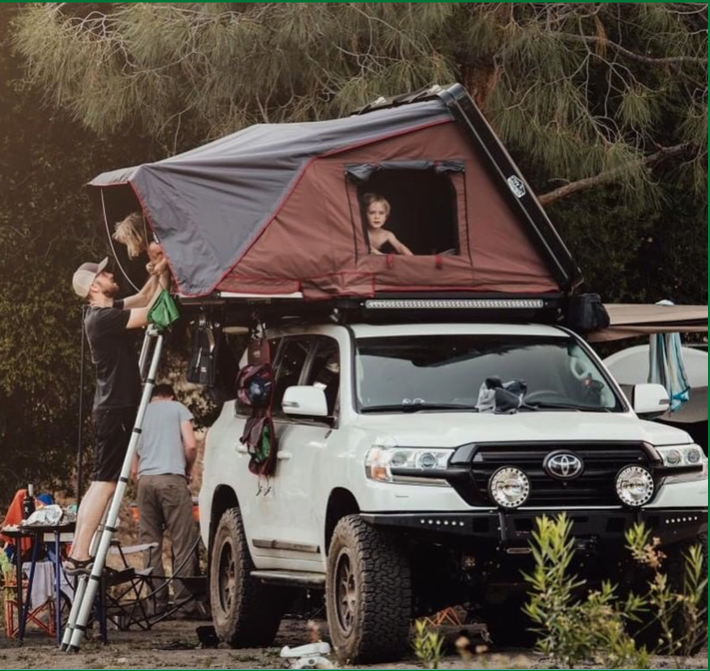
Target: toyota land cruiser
point(398, 495)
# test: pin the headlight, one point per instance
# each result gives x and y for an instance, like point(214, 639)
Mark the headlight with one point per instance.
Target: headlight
point(406, 465)
point(635, 486)
point(509, 487)
point(689, 460)
point(681, 456)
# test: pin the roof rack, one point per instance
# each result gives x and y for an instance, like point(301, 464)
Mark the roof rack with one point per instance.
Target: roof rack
point(280, 310)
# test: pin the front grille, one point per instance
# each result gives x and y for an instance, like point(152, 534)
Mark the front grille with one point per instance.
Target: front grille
point(595, 487)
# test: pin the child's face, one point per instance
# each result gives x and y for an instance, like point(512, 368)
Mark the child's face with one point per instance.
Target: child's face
point(376, 214)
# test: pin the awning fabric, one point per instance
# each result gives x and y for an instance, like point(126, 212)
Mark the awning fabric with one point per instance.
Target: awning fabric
point(630, 321)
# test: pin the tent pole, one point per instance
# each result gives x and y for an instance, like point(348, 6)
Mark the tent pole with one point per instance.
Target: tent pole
point(110, 242)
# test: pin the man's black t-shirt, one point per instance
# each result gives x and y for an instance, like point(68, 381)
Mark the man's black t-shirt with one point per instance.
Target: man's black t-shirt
point(118, 383)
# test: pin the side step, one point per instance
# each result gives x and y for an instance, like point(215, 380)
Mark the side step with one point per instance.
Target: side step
point(291, 578)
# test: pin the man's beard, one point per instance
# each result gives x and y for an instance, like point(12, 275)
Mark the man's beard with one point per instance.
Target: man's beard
point(112, 291)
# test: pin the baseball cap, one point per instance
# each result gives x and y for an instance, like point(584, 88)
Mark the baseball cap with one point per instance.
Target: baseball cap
point(85, 275)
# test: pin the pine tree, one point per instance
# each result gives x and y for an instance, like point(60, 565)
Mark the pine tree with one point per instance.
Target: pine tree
point(586, 94)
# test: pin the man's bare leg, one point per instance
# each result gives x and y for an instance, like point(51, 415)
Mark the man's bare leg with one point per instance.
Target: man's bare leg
point(89, 517)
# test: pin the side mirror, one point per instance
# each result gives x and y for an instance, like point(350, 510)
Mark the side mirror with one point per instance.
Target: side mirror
point(650, 400)
point(305, 401)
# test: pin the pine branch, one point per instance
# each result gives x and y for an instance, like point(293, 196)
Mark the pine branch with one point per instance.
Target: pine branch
point(649, 60)
point(608, 175)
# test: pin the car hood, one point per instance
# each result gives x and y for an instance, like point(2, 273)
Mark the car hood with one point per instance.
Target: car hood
point(430, 429)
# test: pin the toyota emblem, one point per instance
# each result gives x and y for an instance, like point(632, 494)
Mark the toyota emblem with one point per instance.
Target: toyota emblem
point(563, 465)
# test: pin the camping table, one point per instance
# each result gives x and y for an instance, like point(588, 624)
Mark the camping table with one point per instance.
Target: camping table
point(38, 534)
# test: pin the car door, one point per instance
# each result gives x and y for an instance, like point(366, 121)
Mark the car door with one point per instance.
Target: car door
point(304, 443)
point(301, 444)
point(268, 521)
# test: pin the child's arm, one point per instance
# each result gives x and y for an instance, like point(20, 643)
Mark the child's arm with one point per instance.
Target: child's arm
point(399, 247)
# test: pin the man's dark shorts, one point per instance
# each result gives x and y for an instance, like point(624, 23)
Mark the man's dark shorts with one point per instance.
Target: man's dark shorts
point(112, 433)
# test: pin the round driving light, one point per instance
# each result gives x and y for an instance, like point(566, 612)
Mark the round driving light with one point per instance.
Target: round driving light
point(673, 458)
point(509, 487)
point(693, 456)
point(635, 486)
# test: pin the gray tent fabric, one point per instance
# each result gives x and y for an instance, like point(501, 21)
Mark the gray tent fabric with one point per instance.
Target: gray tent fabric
point(208, 205)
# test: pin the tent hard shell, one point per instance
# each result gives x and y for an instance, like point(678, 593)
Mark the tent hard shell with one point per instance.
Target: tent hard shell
point(278, 209)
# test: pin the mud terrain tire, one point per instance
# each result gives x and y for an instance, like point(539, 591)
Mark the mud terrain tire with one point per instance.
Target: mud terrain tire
point(368, 594)
point(245, 612)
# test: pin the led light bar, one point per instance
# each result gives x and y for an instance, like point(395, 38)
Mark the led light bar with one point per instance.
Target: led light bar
point(454, 304)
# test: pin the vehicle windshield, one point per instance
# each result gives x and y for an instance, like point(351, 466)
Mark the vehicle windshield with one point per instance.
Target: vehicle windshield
point(446, 372)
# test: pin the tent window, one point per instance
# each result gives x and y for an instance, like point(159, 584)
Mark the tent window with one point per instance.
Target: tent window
point(417, 203)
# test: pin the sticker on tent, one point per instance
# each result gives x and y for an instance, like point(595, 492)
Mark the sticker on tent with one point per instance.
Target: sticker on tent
point(516, 186)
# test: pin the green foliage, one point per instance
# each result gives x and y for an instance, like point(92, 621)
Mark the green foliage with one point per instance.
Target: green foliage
point(575, 630)
point(578, 88)
point(577, 625)
point(47, 228)
point(679, 615)
point(428, 645)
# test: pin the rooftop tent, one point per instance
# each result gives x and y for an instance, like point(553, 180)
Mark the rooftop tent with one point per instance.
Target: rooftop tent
point(277, 209)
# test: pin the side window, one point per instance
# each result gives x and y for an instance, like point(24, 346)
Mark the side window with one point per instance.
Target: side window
point(325, 371)
point(274, 345)
point(292, 358)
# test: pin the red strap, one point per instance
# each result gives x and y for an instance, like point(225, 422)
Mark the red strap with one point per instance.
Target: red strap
point(439, 261)
point(390, 260)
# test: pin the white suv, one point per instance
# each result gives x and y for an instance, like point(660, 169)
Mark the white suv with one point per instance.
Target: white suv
point(398, 497)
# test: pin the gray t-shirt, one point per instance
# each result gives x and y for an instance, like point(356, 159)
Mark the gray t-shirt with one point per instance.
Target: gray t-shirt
point(160, 445)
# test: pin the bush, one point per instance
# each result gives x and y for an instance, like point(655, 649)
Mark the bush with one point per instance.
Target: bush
point(577, 629)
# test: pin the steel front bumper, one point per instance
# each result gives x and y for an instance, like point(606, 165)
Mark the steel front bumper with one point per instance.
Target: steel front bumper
point(670, 525)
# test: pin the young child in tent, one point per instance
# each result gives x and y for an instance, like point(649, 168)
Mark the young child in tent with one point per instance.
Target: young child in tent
point(133, 233)
point(382, 241)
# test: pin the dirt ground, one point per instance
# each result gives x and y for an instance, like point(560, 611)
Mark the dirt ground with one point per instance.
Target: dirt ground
point(173, 645)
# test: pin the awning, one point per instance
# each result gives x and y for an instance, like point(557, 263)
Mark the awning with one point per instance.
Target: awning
point(629, 320)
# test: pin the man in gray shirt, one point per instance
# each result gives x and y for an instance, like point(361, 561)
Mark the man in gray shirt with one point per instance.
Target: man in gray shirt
point(166, 454)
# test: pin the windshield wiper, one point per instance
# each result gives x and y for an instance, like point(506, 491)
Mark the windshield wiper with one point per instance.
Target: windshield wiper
point(543, 405)
point(418, 407)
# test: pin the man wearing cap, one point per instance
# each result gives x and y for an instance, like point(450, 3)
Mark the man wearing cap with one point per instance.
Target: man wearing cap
point(118, 387)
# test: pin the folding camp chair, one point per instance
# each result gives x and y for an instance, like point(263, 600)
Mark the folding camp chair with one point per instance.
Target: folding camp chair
point(42, 616)
point(448, 616)
point(126, 595)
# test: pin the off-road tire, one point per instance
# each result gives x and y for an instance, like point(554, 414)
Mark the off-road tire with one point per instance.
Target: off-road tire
point(509, 626)
point(245, 612)
point(648, 632)
point(366, 564)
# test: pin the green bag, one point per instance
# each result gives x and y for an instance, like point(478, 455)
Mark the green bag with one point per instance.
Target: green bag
point(164, 311)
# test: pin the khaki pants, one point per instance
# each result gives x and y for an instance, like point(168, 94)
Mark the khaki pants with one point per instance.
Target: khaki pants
point(165, 504)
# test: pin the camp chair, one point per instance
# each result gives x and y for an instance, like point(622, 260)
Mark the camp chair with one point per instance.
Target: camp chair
point(196, 586)
point(448, 616)
point(126, 597)
point(42, 616)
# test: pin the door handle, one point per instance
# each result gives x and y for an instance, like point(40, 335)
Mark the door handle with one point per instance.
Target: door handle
point(284, 456)
point(242, 449)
